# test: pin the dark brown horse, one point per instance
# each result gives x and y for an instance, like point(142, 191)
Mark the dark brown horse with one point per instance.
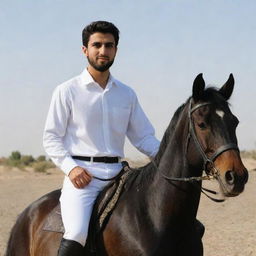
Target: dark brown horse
point(156, 213)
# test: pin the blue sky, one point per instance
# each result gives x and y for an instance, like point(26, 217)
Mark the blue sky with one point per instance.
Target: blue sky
point(163, 46)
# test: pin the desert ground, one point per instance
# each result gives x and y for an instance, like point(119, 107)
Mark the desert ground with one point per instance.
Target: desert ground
point(230, 226)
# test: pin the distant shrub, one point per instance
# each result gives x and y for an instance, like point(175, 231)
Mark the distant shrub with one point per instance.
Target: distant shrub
point(26, 160)
point(42, 166)
point(41, 158)
point(13, 163)
point(16, 159)
point(15, 155)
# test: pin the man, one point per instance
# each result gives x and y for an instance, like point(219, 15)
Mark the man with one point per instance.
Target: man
point(88, 119)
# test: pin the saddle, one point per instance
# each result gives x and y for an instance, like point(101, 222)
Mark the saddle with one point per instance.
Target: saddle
point(103, 207)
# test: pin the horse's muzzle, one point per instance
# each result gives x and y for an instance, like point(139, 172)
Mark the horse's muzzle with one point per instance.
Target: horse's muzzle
point(233, 183)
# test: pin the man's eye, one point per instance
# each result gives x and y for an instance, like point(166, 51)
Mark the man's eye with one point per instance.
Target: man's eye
point(110, 45)
point(97, 45)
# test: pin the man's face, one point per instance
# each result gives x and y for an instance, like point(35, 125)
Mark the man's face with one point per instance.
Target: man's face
point(101, 51)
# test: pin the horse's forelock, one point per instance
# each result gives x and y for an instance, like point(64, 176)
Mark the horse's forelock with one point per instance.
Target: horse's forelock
point(212, 94)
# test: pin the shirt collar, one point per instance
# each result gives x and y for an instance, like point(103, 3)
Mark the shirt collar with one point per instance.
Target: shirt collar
point(87, 79)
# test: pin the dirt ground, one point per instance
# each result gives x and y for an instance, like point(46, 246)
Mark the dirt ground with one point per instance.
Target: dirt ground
point(230, 226)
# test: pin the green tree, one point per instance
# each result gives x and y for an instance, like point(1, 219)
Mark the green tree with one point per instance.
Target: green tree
point(15, 155)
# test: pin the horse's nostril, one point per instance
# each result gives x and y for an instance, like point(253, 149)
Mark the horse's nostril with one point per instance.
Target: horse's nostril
point(230, 178)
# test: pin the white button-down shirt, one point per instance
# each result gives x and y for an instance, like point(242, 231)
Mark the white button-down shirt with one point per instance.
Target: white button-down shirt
point(86, 120)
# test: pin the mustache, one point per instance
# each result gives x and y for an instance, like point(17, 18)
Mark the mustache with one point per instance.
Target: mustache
point(103, 57)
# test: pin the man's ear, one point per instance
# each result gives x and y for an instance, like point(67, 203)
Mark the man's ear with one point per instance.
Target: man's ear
point(84, 50)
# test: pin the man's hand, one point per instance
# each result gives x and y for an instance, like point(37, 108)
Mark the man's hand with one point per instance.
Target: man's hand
point(80, 177)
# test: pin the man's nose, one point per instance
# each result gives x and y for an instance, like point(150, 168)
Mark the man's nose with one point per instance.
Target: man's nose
point(103, 50)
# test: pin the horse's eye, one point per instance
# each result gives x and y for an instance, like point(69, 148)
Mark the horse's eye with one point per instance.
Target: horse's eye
point(202, 125)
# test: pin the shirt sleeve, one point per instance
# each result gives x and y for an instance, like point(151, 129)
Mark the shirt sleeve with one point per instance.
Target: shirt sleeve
point(55, 130)
point(141, 132)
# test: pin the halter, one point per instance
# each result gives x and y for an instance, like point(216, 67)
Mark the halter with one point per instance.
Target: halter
point(209, 167)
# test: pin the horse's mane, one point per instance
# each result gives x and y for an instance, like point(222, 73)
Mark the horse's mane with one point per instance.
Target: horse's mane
point(169, 132)
point(144, 174)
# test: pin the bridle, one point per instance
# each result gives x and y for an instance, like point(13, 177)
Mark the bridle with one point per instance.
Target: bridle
point(208, 162)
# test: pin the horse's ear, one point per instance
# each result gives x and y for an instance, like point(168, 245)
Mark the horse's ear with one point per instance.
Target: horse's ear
point(227, 89)
point(198, 87)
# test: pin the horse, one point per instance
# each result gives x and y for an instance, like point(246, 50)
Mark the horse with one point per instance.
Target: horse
point(156, 214)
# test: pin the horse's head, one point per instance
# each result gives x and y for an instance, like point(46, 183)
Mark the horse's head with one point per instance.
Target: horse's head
point(213, 127)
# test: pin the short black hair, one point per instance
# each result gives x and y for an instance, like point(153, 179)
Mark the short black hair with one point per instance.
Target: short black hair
point(102, 27)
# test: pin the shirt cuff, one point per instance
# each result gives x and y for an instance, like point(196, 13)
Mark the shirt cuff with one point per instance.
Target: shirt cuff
point(68, 164)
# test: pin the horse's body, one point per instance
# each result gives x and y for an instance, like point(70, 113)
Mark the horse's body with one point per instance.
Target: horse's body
point(157, 212)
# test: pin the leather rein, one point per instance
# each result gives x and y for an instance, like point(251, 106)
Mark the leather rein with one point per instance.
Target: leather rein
point(208, 166)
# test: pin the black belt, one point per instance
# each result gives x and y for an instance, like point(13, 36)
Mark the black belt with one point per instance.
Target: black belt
point(98, 159)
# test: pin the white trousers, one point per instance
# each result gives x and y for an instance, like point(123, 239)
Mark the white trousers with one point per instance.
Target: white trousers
point(77, 204)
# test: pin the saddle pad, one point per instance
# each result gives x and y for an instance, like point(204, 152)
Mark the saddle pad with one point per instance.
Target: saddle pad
point(53, 222)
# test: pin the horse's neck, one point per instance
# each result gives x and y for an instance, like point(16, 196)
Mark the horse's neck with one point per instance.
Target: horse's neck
point(172, 200)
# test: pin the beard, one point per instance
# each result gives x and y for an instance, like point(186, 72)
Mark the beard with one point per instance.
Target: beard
point(100, 67)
